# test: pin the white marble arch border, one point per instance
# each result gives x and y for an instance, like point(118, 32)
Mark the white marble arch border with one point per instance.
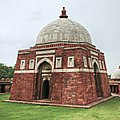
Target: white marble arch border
point(41, 61)
point(95, 61)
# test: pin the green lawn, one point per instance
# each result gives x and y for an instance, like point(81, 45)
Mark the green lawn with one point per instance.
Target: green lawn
point(109, 110)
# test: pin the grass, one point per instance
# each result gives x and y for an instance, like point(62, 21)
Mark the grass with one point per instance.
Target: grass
point(109, 110)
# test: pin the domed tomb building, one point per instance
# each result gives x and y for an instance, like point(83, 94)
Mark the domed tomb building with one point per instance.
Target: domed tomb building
point(115, 82)
point(64, 67)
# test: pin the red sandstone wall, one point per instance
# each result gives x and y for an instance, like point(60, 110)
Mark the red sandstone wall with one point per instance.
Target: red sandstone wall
point(26, 57)
point(67, 87)
point(56, 87)
point(22, 87)
point(73, 88)
point(105, 84)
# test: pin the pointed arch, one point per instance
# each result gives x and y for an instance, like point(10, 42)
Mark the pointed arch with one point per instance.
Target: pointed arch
point(93, 62)
point(41, 61)
point(43, 80)
point(97, 78)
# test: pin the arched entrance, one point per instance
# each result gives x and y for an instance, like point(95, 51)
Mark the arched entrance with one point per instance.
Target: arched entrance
point(45, 90)
point(97, 81)
point(43, 81)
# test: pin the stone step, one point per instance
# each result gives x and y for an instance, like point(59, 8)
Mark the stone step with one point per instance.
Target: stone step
point(43, 101)
point(47, 103)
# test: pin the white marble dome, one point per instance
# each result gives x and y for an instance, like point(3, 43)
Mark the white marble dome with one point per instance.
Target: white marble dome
point(63, 29)
point(116, 74)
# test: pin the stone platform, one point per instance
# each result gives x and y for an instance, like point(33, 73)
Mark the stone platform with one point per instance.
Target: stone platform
point(62, 105)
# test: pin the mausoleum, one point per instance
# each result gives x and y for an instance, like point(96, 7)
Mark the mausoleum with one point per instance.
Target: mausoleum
point(63, 67)
point(115, 81)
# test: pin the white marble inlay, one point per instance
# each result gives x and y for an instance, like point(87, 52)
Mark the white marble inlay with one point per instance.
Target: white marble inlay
point(24, 71)
point(90, 62)
point(22, 64)
point(62, 70)
point(70, 61)
point(85, 61)
point(45, 52)
point(45, 58)
point(58, 62)
point(94, 53)
point(31, 64)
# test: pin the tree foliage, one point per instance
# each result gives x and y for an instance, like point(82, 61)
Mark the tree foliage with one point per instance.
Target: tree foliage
point(5, 71)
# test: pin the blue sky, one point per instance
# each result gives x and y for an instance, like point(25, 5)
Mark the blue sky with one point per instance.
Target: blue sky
point(22, 20)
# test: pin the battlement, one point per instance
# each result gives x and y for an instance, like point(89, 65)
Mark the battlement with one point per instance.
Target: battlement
point(6, 80)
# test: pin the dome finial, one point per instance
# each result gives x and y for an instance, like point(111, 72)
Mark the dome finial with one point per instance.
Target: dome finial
point(63, 15)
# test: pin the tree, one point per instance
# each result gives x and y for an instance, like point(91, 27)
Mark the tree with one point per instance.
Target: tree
point(5, 71)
